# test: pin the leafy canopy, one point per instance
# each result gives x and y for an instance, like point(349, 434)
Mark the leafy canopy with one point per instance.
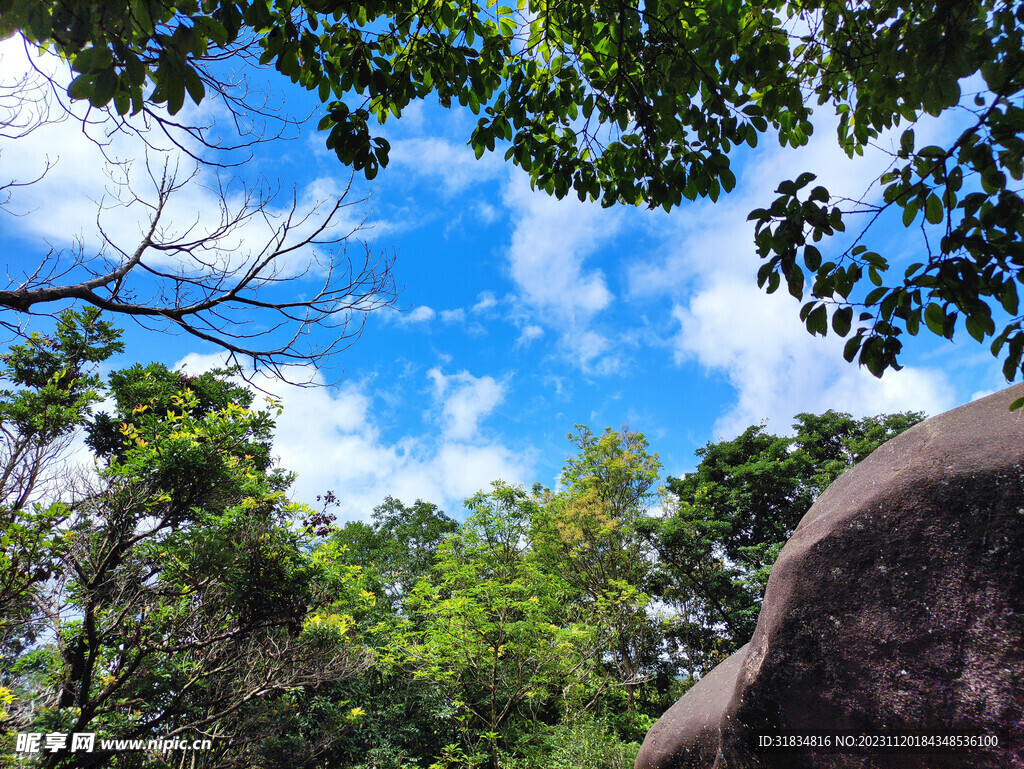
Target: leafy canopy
point(490, 627)
point(646, 103)
point(53, 387)
point(168, 592)
point(590, 533)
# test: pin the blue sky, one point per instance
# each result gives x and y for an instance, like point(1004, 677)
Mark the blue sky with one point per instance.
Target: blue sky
point(521, 315)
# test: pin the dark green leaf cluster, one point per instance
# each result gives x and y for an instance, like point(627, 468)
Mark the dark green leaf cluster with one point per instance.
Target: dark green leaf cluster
point(131, 52)
point(148, 395)
point(52, 377)
point(964, 197)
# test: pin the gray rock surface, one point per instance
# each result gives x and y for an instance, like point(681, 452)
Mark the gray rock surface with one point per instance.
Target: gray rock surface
point(897, 608)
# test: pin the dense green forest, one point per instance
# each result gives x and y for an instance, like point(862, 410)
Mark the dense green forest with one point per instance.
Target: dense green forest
point(175, 591)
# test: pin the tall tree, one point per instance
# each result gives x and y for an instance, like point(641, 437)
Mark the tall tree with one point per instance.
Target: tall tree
point(181, 600)
point(491, 630)
point(404, 719)
point(590, 534)
point(399, 547)
point(54, 388)
point(646, 103)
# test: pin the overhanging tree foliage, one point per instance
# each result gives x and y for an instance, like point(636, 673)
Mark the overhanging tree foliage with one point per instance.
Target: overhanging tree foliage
point(646, 103)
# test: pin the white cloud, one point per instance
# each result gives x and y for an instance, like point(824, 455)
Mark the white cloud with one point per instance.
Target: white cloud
point(485, 301)
point(590, 346)
point(331, 438)
point(416, 316)
point(465, 466)
point(528, 335)
point(728, 325)
point(458, 315)
point(485, 212)
point(779, 370)
point(63, 205)
point(551, 240)
point(454, 165)
point(464, 400)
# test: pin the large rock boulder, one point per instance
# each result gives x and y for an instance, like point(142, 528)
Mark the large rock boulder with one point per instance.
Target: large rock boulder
point(895, 610)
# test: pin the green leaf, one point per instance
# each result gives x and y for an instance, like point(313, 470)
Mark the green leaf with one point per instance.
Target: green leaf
point(910, 213)
point(93, 59)
point(812, 257)
point(175, 95)
point(817, 321)
point(122, 102)
point(933, 211)
point(913, 322)
point(875, 296)
point(81, 87)
point(194, 84)
point(907, 142)
point(213, 29)
point(935, 318)
point(975, 328)
point(1008, 297)
point(135, 70)
point(841, 320)
point(795, 282)
point(728, 179)
point(103, 91)
point(804, 179)
point(851, 347)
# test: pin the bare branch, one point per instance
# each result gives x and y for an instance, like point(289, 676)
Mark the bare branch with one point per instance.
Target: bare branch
point(257, 280)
